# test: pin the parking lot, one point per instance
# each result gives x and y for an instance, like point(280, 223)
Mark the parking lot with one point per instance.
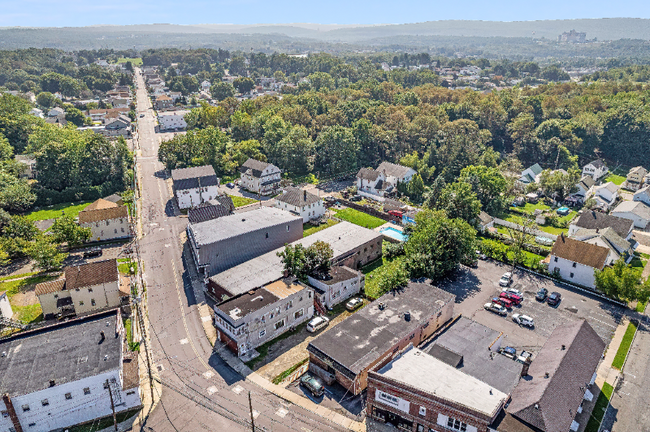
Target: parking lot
point(336, 398)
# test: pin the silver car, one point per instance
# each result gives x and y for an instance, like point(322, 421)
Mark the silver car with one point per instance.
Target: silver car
point(523, 320)
point(506, 279)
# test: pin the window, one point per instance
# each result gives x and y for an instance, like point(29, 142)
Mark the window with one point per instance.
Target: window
point(279, 324)
point(129, 393)
point(25, 408)
point(105, 385)
point(68, 396)
point(423, 411)
point(412, 336)
point(106, 223)
point(262, 333)
point(90, 290)
point(309, 294)
point(31, 424)
point(287, 228)
point(122, 229)
point(45, 402)
point(115, 231)
point(571, 275)
point(456, 424)
point(56, 296)
point(298, 314)
point(555, 259)
point(92, 302)
point(267, 235)
point(87, 391)
point(574, 265)
point(5, 414)
point(81, 303)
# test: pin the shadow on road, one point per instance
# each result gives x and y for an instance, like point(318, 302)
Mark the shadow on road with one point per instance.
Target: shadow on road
point(228, 374)
point(161, 174)
point(463, 284)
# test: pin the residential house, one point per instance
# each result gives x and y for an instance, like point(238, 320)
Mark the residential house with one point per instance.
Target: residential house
point(100, 115)
point(337, 285)
point(29, 166)
point(37, 112)
point(635, 211)
point(106, 220)
point(172, 120)
point(255, 317)
point(485, 221)
point(531, 174)
point(120, 102)
point(119, 126)
point(575, 261)
point(220, 206)
point(205, 85)
point(194, 186)
point(162, 102)
point(56, 112)
point(58, 376)
point(606, 194)
point(5, 306)
point(384, 179)
point(595, 169)
point(260, 177)
point(643, 195)
point(115, 199)
point(60, 121)
point(635, 178)
point(608, 238)
point(222, 243)
point(414, 314)
point(593, 220)
point(352, 246)
point(584, 187)
point(301, 203)
point(82, 289)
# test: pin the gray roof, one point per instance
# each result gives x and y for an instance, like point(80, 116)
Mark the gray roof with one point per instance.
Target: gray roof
point(115, 198)
point(216, 230)
point(254, 166)
point(221, 206)
point(639, 169)
point(471, 341)
point(635, 207)
point(190, 178)
point(336, 274)
point(643, 191)
point(297, 197)
point(64, 352)
point(609, 186)
point(570, 357)
point(597, 220)
point(587, 182)
point(368, 174)
point(342, 238)
point(608, 235)
point(598, 163)
point(357, 342)
point(485, 218)
point(391, 169)
point(537, 169)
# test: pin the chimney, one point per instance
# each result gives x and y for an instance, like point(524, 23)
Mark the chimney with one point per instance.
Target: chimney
point(524, 370)
point(597, 229)
point(407, 316)
point(547, 375)
point(304, 194)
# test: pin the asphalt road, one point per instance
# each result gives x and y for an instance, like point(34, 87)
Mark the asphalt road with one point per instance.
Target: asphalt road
point(200, 392)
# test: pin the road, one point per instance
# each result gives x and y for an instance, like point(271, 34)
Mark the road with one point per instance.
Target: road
point(200, 392)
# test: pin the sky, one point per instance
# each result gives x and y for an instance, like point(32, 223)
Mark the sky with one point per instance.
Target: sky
point(73, 13)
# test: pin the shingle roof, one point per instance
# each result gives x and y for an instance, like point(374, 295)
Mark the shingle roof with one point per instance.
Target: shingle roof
point(598, 163)
point(391, 169)
point(580, 252)
point(213, 209)
point(255, 166)
point(90, 216)
point(639, 169)
point(570, 356)
point(643, 191)
point(537, 169)
point(101, 204)
point(635, 207)
point(297, 197)
point(597, 220)
point(115, 198)
point(608, 235)
point(587, 182)
point(609, 186)
point(368, 174)
point(485, 218)
point(50, 286)
point(90, 274)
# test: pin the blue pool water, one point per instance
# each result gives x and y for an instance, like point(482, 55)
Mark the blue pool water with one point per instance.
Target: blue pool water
point(393, 233)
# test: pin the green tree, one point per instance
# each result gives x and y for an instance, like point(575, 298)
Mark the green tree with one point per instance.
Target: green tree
point(459, 201)
point(336, 151)
point(66, 230)
point(47, 100)
point(301, 262)
point(222, 90)
point(243, 84)
point(15, 194)
point(416, 189)
point(488, 184)
point(46, 255)
point(296, 151)
point(620, 281)
point(74, 115)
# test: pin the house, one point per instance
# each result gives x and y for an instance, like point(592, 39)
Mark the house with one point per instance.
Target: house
point(352, 246)
point(594, 220)
point(643, 195)
point(58, 376)
point(119, 126)
point(635, 178)
point(115, 199)
point(220, 206)
point(205, 85)
point(575, 261)
point(193, 186)
point(337, 285)
point(5, 307)
point(584, 187)
point(301, 203)
point(260, 177)
point(29, 166)
point(60, 121)
point(222, 243)
point(457, 382)
point(37, 112)
point(163, 102)
point(172, 120)
point(120, 102)
point(383, 179)
point(531, 174)
point(558, 381)
point(595, 169)
point(106, 220)
point(606, 194)
point(82, 288)
point(635, 211)
point(608, 238)
point(365, 341)
point(255, 317)
point(56, 112)
point(176, 96)
point(100, 115)
point(485, 221)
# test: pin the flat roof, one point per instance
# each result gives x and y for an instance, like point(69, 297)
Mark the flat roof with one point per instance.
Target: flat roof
point(472, 341)
point(418, 369)
point(254, 300)
point(342, 238)
point(219, 229)
point(64, 352)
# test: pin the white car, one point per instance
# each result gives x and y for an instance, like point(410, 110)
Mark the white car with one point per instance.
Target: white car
point(317, 323)
point(506, 279)
point(523, 320)
point(513, 291)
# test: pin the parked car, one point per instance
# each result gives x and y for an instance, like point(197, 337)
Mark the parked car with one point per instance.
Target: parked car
point(141, 115)
point(353, 304)
point(356, 198)
point(513, 290)
point(312, 384)
point(480, 255)
point(523, 320)
point(523, 356)
point(509, 352)
point(317, 323)
point(506, 279)
point(230, 185)
point(503, 302)
point(329, 199)
point(541, 294)
point(516, 299)
point(496, 308)
point(554, 299)
point(93, 252)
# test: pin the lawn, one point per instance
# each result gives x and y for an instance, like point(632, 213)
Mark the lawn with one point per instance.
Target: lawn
point(616, 179)
point(551, 229)
point(359, 218)
point(309, 229)
point(375, 270)
point(242, 201)
point(600, 408)
point(28, 313)
point(136, 61)
point(54, 211)
point(621, 354)
point(133, 346)
point(640, 306)
point(530, 207)
point(124, 266)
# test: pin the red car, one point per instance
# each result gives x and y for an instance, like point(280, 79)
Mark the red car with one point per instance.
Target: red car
point(396, 213)
point(514, 298)
point(503, 302)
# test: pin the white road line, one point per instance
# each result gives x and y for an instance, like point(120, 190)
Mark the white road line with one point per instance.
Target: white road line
point(184, 341)
point(212, 390)
point(238, 389)
point(281, 412)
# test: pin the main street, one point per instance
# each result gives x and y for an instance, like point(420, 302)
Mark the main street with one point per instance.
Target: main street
point(199, 392)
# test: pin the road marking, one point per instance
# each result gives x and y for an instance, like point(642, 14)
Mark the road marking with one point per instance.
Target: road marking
point(256, 414)
point(212, 390)
point(281, 412)
point(184, 341)
point(238, 389)
point(168, 245)
point(207, 375)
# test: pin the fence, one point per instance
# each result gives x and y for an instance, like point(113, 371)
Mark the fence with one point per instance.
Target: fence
point(535, 232)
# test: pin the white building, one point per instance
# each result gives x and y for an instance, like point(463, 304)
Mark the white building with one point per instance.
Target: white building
point(594, 220)
point(635, 211)
point(194, 186)
point(205, 85)
point(643, 195)
point(5, 307)
point(56, 112)
point(606, 194)
point(576, 261)
point(260, 177)
point(384, 179)
point(106, 220)
point(302, 203)
point(37, 112)
point(595, 169)
point(172, 120)
point(338, 285)
point(531, 174)
point(58, 376)
point(585, 187)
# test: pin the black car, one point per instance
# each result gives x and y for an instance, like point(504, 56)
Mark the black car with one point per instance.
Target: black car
point(541, 294)
point(554, 298)
point(93, 252)
point(313, 385)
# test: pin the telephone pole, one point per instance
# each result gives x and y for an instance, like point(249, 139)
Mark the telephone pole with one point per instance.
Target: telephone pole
point(110, 394)
point(250, 407)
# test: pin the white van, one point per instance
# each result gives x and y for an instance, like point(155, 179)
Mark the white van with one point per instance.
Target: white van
point(317, 324)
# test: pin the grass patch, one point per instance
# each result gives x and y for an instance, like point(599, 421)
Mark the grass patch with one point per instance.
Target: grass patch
point(374, 272)
point(359, 218)
point(551, 229)
point(309, 178)
point(18, 276)
point(104, 423)
point(637, 262)
point(278, 379)
point(640, 306)
point(54, 211)
point(133, 346)
point(530, 207)
point(124, 266)
point(600, 407)
point(242, 201)
point(30, 313)
point(621, 354)
point(309, 229)
point(616, 179)
point(136, 61)
point(264, 349)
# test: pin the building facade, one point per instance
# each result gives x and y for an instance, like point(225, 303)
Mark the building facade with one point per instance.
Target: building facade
point(595, 169)
point(302, 203)
point(575, 261)
point(172, 120)
point(384, 179)
point(106, 222)
point(338, 285)
point(194, 186)
point(260, 177)
point(5, 306)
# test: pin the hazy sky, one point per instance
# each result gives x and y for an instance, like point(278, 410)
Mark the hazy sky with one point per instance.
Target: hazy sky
point(59, 13)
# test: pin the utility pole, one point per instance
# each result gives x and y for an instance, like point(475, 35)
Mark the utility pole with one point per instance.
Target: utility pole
point(110, 394)
point(250, 407)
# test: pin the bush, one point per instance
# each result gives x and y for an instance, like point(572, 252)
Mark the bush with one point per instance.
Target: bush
point(392, 250)
point(46, 197)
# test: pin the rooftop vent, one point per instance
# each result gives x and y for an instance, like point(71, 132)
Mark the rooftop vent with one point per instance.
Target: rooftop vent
point(52, 383)
point(106, 357)
point(536, 406)
point(546, 375)
point(243, 219)
point(381, 306)
point(407, 316)
point(563, 347)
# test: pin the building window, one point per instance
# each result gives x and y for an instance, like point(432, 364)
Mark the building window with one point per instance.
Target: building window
point(81, 303)
point(456, 424)
point(106, 223)
point(262, 333)
point(25, 408)
point(423, 411)
point(122, 229)
point(90, 290)
point(555, 259)
point(56, 296)
point(287, 228)
point(68, 396)
point(92, 302)
point(87, 391)
point(31, 424)
point(298, 314)
point(45, 402)
point(279, 324)
point(129, 393)
point(571, 274)
point(267, 235)
point(115, 231)
point(5, 414)
point(412, 336)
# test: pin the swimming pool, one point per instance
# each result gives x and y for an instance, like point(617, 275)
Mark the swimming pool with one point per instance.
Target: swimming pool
point(393, 233)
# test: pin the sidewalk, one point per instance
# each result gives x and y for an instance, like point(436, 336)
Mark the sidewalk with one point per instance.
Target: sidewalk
point(606, 373)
